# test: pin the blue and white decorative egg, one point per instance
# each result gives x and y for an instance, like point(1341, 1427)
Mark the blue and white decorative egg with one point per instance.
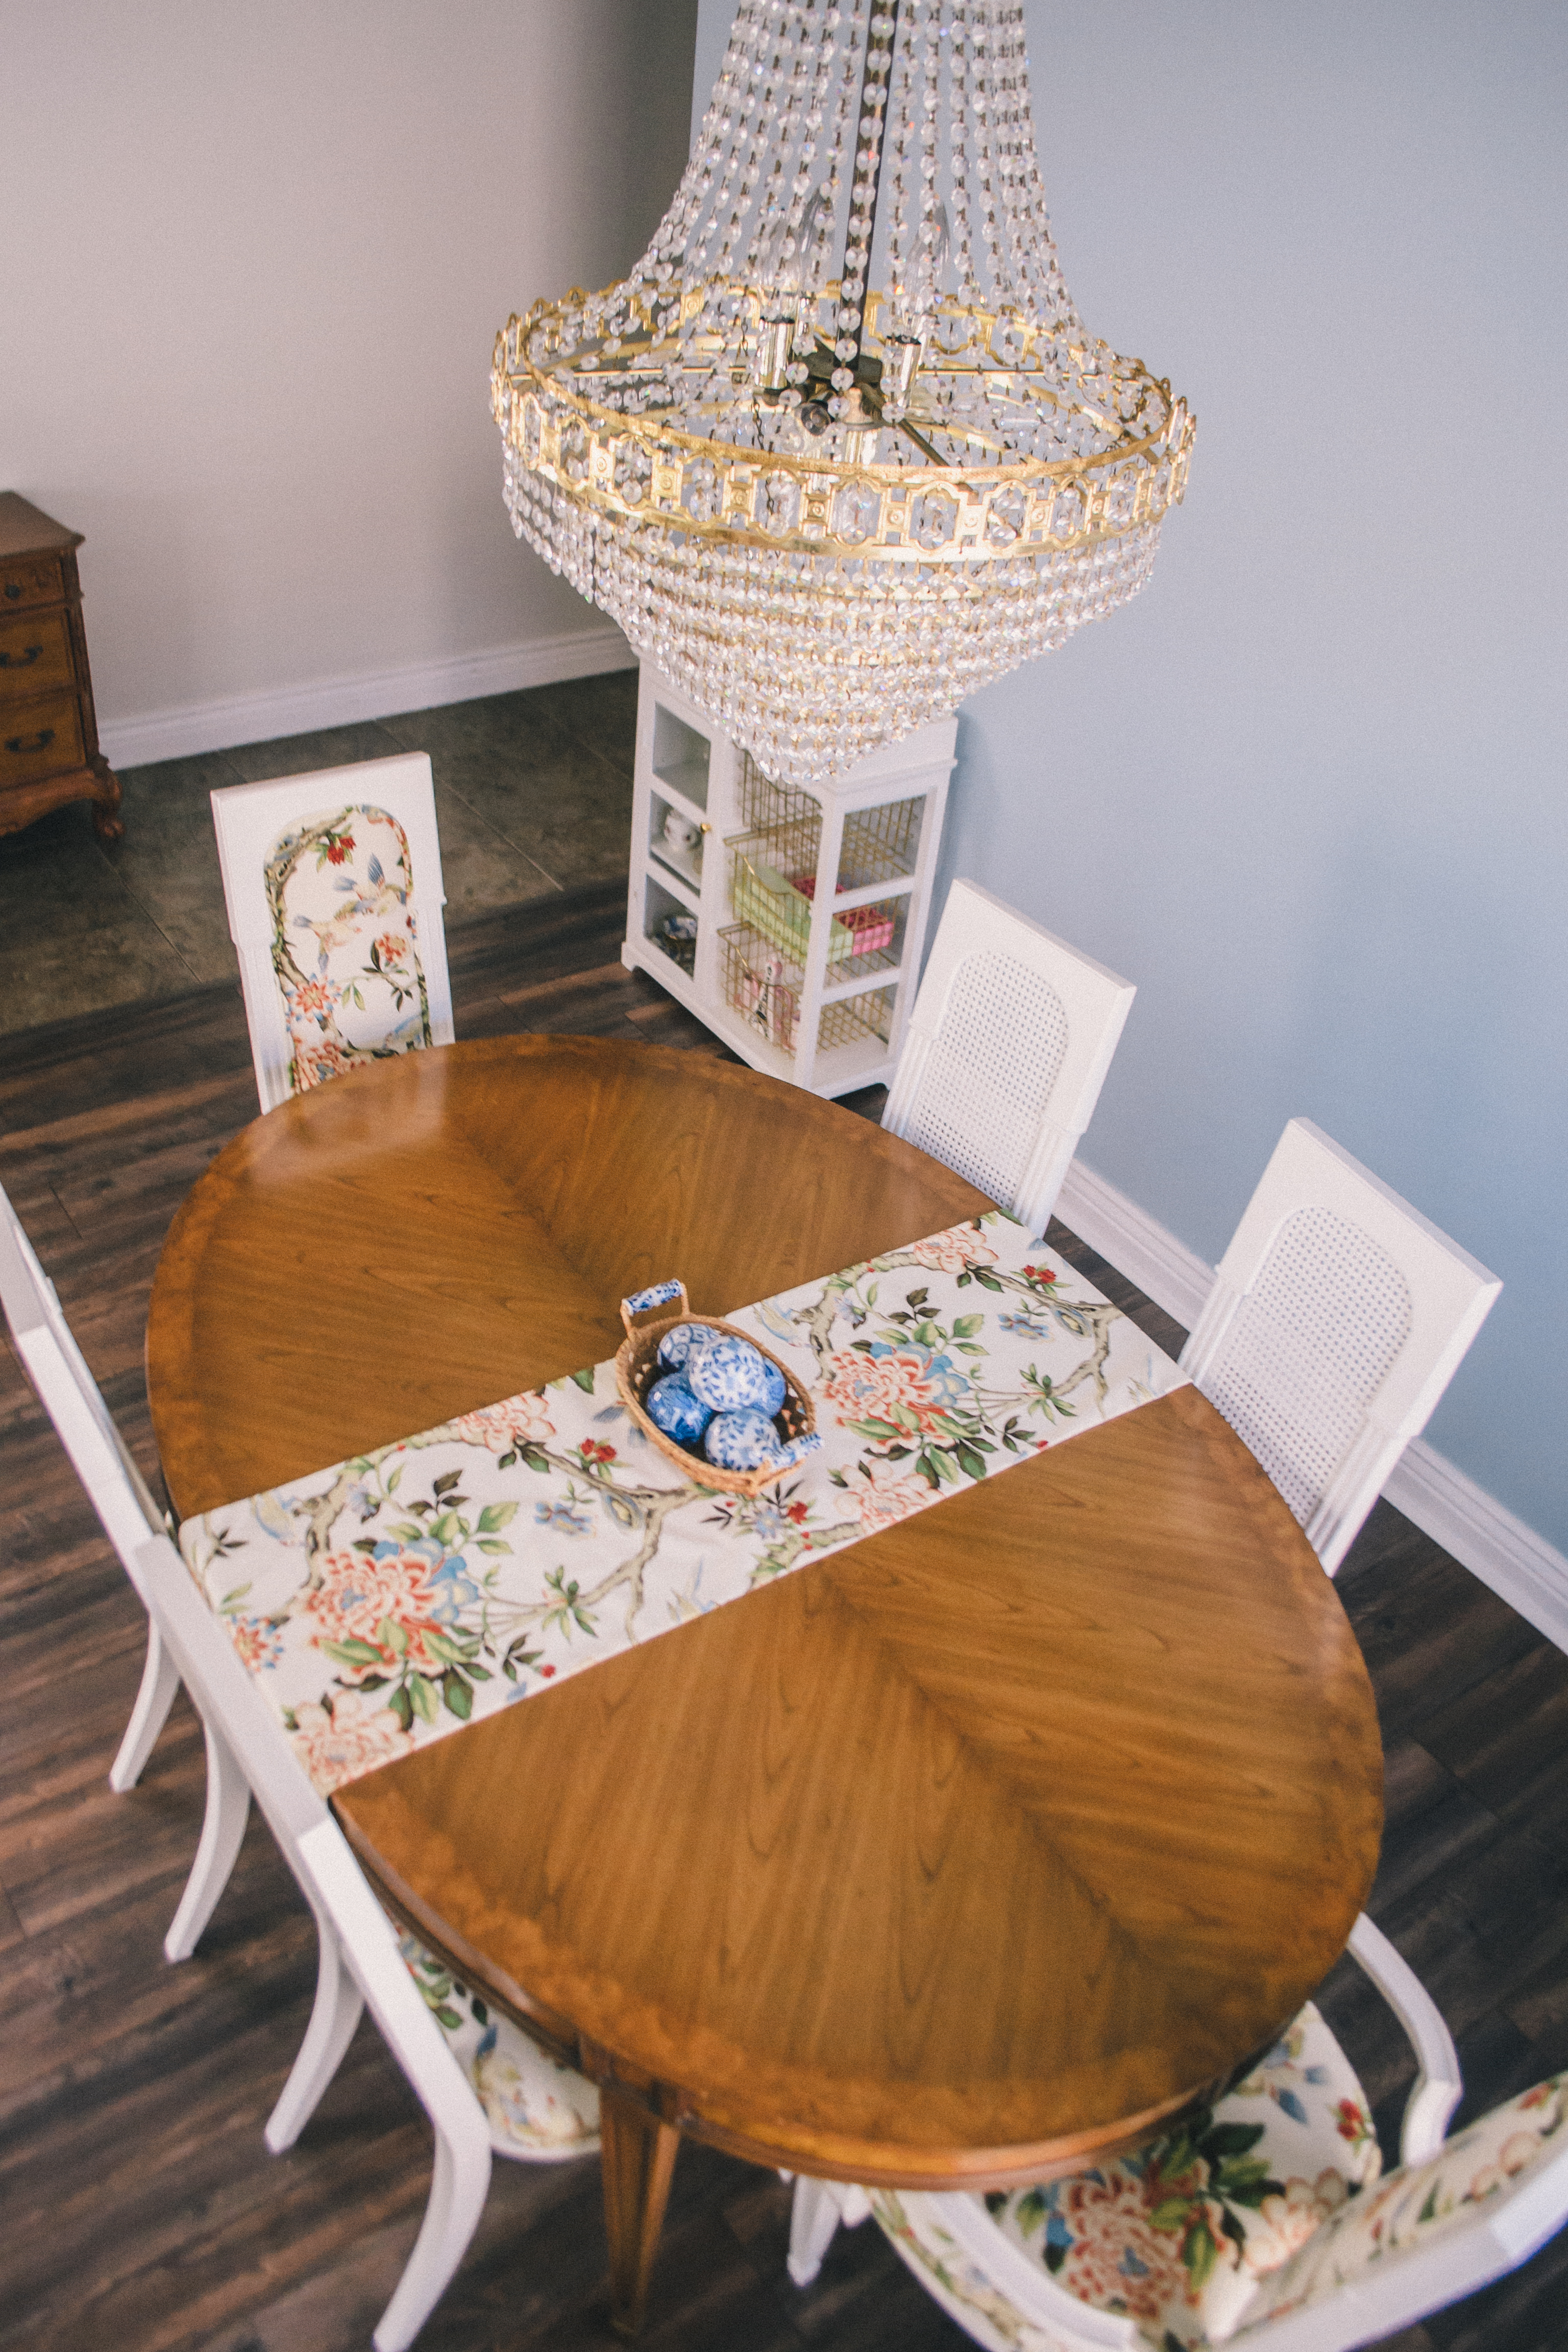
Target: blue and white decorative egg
point(672, 1407)
point(774, 1396)
point(681, 1342)
point(745, 1440)
point(732, 1375)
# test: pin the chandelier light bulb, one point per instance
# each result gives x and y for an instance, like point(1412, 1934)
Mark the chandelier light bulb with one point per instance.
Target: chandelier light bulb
point(840, 451)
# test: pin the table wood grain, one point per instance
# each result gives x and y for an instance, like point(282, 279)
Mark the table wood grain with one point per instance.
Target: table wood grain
point(955, 1859)
point(453, 1226)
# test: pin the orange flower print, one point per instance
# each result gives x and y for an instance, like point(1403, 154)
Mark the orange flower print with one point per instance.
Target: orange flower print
point(951, 1252)
point(500, 1428)
point(351, 1737)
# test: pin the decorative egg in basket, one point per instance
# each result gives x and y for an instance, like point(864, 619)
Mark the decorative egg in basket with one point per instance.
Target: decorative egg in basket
point(724, 1410)
point(673, 1407)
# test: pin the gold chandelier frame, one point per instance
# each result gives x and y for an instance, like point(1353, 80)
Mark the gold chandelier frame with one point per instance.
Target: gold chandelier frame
point(921, 515)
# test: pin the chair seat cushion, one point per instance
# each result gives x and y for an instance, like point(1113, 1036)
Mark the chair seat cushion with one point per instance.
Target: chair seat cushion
point(538, 2107)
point(1176, 2236)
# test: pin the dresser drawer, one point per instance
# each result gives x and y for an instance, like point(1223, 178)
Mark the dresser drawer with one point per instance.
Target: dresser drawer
point(29, 580)
point(35, 654)
point(40, 738)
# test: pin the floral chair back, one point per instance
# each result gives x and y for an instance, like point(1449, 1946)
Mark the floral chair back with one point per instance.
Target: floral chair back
point(343, 954)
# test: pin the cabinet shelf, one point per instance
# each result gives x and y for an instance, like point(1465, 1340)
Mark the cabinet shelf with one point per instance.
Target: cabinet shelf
point(809, 926)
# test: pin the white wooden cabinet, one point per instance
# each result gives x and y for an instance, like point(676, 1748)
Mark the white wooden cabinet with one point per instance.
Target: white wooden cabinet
point(790, 922)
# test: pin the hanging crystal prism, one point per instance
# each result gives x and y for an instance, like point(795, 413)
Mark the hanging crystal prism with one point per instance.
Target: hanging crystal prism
point(840, 450)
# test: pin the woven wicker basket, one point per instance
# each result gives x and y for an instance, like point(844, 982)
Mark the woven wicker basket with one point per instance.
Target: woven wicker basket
point(637, 1367)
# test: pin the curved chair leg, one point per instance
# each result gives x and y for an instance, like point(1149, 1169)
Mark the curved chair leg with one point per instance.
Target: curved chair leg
point(338, 2003)
point(368, 1949)
point(229, 1803)
point(160, 1681)
point(457, 2192)
point(818, 2208)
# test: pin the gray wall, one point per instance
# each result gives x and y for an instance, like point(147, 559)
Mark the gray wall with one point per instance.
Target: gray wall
point(1308, 791)
point(254, 263)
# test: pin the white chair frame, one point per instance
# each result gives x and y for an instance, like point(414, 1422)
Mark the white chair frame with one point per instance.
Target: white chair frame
point(48, 1354)
point(359, 1960)
point(1451, 1294)
point(250, 820)
point(1095, 1001)
point(819, 2206)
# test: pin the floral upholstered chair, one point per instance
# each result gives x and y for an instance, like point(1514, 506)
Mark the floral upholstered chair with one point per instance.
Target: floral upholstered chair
point(1263, 2220)
point(334, 888)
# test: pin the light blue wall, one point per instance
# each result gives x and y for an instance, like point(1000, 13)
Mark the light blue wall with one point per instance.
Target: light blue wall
point(1308, 791)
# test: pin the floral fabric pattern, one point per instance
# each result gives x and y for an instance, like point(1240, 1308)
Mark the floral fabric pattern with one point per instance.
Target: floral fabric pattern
point(1421, 2202)
point(1176, 2236)
point(536, 2105)
point(344, 943)
point(391, 1599)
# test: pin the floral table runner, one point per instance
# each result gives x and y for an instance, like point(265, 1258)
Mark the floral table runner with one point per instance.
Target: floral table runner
point(395, 1597)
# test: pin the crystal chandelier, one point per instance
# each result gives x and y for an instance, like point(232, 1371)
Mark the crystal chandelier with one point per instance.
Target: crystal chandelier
point(829, 512)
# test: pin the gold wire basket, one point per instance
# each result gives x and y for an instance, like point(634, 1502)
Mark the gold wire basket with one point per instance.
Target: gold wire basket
point(764, 986)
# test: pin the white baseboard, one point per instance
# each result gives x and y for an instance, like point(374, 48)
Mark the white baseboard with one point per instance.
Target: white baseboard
point(196, 726)
point(1136, 1244)
point(1472, 1527)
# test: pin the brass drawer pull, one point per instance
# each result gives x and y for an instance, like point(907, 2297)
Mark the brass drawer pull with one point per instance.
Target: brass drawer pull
point(11, 661)
point(39, 743)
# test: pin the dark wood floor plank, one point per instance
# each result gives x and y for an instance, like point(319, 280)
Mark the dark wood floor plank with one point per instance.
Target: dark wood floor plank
point(142, 2207)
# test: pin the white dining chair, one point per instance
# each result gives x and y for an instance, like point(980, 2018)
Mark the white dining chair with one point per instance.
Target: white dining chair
point(332, 883)
point(47, 1350)
point(487, 2092)
point(1006, 1050)
point(1176, 2244)
point(1338, 1314)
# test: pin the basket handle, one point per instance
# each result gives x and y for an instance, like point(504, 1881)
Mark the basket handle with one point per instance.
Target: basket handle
point(658, 1294)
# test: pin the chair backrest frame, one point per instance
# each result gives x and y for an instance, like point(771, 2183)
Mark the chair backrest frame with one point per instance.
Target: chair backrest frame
point(1094, 1001)
point(49, 1353)
point(251, 821)
point(1450, 1296)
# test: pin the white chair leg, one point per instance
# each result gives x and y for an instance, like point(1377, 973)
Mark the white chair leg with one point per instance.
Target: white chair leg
point(457, 2189)
point(819, 2208)
point(160, 1681)
point(336, 2012)
point(228, 1804)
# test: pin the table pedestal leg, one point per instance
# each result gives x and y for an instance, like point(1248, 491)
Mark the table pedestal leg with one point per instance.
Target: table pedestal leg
point(637, 2159)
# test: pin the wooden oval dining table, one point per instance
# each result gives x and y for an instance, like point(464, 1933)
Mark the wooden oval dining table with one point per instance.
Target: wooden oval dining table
point(957, 1859)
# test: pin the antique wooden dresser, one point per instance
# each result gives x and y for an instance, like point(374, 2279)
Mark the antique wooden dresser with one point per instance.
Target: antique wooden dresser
point(48, 735)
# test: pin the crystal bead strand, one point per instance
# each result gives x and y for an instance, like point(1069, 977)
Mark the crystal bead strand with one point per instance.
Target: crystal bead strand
point(969, 287)
point(774, 131)
point(899, 137)
point(932, 234)
point(1013, 187)
point(1000, 290)
point(740, 67)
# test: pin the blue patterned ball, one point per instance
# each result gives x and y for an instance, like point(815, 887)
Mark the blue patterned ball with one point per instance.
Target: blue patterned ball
point(742, 1440)
point(730, 1375)
point(681, 1342)
point(772, 1401)
point(671, 1407)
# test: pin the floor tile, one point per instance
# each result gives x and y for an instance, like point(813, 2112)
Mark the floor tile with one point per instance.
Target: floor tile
point(73, 939)
point(600, 711)
point(168, 857)
point(480, 868)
